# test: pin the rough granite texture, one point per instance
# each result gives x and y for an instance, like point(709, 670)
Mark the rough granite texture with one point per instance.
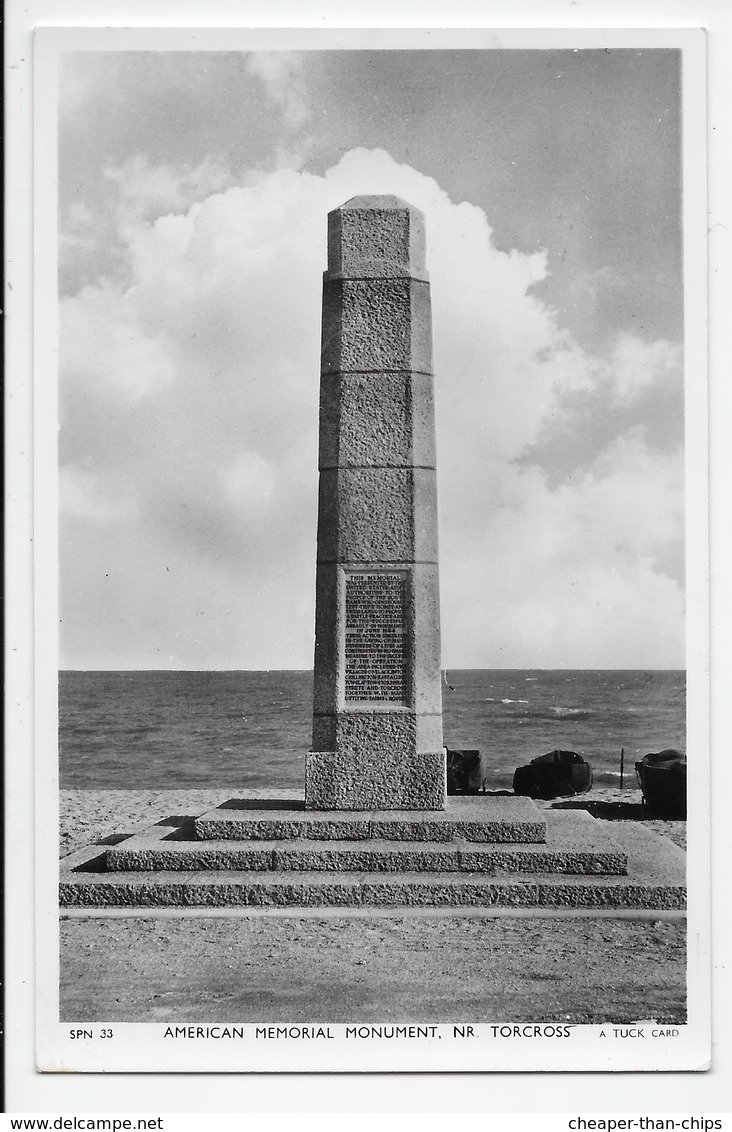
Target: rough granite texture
point(377, 515)
point(377, 236)
point(572, 847)
point(373, 325)
point(468, 818)
point(226, 890)
point(377, 512)
point(369, 857)
point(377, 776)
point(319, 889)
point(380, 420)
point(218, 825)
point(500, 820)
point(365, 737)
point(194, 857)
point(213, 827)
point(580, 861)
point(442, 872)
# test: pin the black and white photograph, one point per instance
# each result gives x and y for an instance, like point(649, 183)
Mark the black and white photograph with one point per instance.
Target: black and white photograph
point(371, 460)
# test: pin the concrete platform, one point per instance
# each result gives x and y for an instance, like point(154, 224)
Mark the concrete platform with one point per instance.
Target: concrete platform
point(655, 880)
point(471, 817)
point(575, 844)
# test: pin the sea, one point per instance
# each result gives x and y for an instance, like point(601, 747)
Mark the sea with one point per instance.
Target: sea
point(179, 730)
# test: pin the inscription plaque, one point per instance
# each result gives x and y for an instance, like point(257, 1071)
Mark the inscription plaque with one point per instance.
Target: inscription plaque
point(375, 638)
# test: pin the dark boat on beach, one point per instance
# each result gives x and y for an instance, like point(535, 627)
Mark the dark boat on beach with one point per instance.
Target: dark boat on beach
point(466, 773)
point(662, 779)
point(558, 774)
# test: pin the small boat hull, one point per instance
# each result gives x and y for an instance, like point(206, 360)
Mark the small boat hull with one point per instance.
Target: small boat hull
point(559, 774)
point(662, 779)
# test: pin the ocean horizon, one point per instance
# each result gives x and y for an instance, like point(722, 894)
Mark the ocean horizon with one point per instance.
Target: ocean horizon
point(240, 728)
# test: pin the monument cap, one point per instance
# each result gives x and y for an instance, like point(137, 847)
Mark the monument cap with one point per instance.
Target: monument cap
point(376, 237)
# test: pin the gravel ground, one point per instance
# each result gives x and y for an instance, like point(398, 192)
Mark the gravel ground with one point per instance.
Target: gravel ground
point(87, 816)
point(371, 969)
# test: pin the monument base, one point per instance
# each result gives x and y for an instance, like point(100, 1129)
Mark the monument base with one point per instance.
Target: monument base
point(355, 781)
point(265, 850)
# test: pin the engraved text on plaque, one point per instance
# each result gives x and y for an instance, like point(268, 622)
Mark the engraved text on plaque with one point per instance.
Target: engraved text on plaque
point(375, 654)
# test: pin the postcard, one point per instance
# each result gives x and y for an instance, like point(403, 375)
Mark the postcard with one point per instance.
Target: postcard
point(371, 469)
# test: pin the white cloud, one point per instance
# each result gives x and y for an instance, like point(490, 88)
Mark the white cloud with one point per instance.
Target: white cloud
point(145, 189)
point(635, 364)
point(569, 576)
point(94, 237)
point(249, 481)
point(82, 497)
point(197, 388)
point(105, 344)
point(282, 74)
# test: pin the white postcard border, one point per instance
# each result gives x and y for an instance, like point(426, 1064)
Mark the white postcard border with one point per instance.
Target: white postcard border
point(45, 549)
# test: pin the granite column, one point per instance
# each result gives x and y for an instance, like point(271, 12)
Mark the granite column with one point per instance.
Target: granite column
point(377, 718)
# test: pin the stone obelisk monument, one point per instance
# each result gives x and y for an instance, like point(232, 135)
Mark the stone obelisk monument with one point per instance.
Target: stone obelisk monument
point(377, 730)
point(377, 719)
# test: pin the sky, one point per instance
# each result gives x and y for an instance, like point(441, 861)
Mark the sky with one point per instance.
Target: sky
point(193, 194)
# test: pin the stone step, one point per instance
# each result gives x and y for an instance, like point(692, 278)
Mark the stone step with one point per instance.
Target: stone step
point(575, 844)
point(470, 817)
point(354, 890)
point(655, 880)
